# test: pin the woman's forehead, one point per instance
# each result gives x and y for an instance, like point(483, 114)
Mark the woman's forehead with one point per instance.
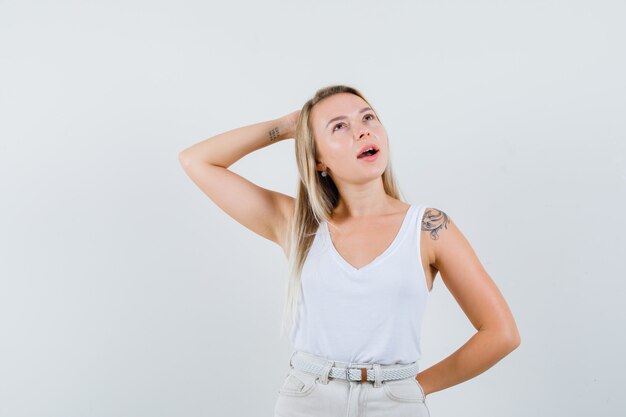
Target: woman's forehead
point(337, 105)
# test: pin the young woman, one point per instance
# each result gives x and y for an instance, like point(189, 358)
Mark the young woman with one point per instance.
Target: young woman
point(362, 263)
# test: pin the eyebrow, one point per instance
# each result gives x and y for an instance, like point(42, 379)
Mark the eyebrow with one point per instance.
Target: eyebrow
point(364, 109)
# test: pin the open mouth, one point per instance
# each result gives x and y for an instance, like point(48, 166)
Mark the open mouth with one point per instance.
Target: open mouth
point(368, 152)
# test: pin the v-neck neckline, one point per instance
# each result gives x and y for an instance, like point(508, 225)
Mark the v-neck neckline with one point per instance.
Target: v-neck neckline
point(348, 266)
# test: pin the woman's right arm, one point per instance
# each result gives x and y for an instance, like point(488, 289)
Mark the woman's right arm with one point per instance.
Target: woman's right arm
point(263, 211)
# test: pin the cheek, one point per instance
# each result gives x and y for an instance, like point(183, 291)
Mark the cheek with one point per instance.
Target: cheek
point(339, 156)
point(337, 147)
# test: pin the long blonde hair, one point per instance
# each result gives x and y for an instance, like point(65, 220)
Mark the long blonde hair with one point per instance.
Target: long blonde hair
point(316, 198)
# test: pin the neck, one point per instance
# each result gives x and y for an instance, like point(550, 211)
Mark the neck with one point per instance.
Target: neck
point(363, 201)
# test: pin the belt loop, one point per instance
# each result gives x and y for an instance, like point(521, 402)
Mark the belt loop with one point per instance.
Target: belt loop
point(323, 378)
point(378, 374)
point(291, 357)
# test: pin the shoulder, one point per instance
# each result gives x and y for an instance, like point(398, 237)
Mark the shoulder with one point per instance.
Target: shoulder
point(446, 243)
point(435, 225)
point(435, 221)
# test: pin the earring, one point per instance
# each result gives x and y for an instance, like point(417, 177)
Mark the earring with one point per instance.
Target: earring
point(324, 173)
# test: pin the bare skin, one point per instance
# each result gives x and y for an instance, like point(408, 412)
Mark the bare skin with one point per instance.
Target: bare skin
point(360, 241)
point(444, 249)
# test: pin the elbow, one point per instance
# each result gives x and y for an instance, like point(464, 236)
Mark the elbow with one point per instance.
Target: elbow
point(507, 338)
point(513, 339)
point(183, 158)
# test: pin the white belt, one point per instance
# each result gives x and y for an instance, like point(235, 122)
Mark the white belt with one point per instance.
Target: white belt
point(355, 373)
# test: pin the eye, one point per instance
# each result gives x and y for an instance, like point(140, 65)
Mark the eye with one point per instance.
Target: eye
point(338, 124)
point(367, 115)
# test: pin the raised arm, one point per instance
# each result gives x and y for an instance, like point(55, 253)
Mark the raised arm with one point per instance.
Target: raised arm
point(263, 211)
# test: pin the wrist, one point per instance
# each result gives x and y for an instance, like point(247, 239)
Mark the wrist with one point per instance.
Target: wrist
point(283, 130)
point(425, 389)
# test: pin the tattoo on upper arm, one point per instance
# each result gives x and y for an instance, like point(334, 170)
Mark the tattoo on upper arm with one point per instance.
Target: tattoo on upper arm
point(434, 220)
point(273, 133)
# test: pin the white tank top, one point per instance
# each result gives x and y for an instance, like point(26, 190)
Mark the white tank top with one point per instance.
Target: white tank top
point(368, 315)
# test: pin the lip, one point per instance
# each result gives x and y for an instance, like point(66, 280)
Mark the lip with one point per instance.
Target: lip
point(364, 148)
point(369, 158)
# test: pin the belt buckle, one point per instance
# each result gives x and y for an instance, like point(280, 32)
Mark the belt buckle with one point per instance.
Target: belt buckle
point(363, 374)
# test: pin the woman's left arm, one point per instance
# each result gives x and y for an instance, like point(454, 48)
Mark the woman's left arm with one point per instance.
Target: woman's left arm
point(479, 298)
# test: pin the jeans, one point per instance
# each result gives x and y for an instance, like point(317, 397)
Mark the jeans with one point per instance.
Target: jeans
point(304, 394)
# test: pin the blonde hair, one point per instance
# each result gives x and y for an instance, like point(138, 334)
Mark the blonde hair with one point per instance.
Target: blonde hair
point(316, 198)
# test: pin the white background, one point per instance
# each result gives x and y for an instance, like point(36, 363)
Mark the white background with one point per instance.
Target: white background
point(124, 291)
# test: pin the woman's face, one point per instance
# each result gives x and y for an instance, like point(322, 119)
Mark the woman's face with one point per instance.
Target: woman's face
point(343, 124)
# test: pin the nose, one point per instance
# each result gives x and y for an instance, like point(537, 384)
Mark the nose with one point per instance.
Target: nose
point(364, 133)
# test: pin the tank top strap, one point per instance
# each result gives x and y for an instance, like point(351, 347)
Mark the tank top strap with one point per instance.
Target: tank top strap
point(415, 223)
point(417, 215)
